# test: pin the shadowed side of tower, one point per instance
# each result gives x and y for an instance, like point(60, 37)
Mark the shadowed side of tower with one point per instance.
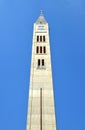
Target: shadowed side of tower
point(41, 109)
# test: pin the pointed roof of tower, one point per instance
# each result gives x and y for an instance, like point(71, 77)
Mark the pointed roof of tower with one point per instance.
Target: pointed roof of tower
point(41, 19)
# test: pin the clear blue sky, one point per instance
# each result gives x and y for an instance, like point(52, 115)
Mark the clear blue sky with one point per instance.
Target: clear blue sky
point(66, 19)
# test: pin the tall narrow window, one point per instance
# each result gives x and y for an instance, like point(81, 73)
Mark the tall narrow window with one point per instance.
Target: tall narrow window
point(43, 38)
point(37, 49)
point(42, 62)
point(40, 38)
point(38, 62)
point(44, 49)
point(40, 49)
point(37, 38)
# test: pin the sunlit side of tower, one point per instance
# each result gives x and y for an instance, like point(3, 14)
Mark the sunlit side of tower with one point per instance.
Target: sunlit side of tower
point(41, 109)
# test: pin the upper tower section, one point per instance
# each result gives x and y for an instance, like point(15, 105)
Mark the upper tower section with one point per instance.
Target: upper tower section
point(41, 19)
point(41, 25)
point(41, 43)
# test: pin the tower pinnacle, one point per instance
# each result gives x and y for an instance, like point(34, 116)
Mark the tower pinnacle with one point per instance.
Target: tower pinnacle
point(41, 19)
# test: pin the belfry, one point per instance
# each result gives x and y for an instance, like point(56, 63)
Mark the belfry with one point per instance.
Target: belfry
point(41, 109)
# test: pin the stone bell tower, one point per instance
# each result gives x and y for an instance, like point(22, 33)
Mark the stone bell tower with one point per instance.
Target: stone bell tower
point(41, 109)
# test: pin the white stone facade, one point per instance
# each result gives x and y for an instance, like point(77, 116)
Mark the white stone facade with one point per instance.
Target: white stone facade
point(41, 109)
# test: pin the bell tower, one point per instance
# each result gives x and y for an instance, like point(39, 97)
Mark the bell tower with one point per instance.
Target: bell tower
point(41, 109)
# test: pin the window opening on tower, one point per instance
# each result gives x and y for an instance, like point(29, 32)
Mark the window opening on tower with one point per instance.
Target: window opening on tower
point(37, 49)
point(37, 38)
point(42, 62)
point(43, 38)
point(40, 49)
point(38, 62)
point(44, 49)
point(40, 38)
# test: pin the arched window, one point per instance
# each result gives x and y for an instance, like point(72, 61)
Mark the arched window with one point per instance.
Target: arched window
point(40, 38)
point(42, 62)
point(44, 49)
point(40, 49)
point(37, 38)
point(43, 38)
point(38, 62)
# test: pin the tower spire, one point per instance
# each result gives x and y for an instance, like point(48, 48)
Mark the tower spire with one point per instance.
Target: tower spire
point(41, 19)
